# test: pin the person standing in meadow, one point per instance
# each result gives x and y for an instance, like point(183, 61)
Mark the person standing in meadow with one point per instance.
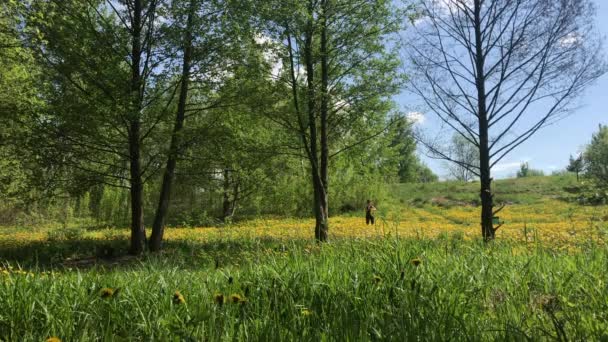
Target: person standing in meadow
point(369, 213)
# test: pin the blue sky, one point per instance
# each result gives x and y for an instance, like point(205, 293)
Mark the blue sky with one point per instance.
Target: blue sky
point(550, 148)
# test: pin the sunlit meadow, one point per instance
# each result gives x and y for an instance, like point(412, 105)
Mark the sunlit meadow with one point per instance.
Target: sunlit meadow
point(420, 273)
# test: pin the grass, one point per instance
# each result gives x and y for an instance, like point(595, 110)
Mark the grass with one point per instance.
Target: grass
point(349, 290)
point(420, 274)
point(527, 190)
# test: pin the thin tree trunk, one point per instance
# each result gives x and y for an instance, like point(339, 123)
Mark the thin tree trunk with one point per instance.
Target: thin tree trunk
point(226, 205)
point(235, 199)
point(318, 191)
point(487, 205)
point(324, 203)
point(158, 226)
point(138, 233)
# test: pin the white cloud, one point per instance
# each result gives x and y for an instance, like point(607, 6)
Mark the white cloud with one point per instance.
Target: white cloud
point(570, 40)
point(416, 117)
point(505, 167)
point(510, 166)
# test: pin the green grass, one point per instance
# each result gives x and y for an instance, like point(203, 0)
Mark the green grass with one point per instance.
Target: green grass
point(348, 290)
point(517, 190)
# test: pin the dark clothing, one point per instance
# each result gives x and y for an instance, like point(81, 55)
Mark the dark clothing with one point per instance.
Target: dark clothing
point(369, 217)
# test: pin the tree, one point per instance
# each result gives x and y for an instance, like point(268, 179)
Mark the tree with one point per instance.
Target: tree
point(204, 40)
point(596, 158)
point(497, 71)
point(465, 154)
point(526, 171)
point(405, 145)
point(102, 60)
point(576, 165)
point(340, 75)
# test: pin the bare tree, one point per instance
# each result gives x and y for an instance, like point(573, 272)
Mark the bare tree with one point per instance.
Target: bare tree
point(466, 154)
point(497, 71)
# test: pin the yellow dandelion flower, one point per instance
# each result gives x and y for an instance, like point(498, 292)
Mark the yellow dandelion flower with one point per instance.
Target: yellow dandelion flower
point(218, 298)
point(178, 298)
point(306, 312)
point(53, 339)
point(416, 262)
point(236, 298)
point(106, 292)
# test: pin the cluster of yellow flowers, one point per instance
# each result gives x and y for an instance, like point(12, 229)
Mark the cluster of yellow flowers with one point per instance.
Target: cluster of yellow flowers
point(178, 298)
point(10, 270)
point(234, 298)
point(551, 222)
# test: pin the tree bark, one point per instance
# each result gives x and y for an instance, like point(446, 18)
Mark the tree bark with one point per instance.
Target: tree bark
point(226, 205)
point(320, 196)
point(487, 205)
point(138, 232)
point(158, 227)
point(324, 182)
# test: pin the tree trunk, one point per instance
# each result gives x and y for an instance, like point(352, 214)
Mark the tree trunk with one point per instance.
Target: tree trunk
point(226, 205)
point(320, 196)
point(235, 199)
point(138, 233)
point(324, 181)
point(487, 205)
point(158, 227)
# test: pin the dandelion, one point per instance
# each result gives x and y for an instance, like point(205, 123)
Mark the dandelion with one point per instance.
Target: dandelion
point(178, 298)
point(218, 298)
point(416, 262)
point(106, 292)
point(306, 312)
point(236, 298)
point(53, 339)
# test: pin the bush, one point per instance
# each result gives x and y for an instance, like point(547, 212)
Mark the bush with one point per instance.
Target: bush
point(65, 234)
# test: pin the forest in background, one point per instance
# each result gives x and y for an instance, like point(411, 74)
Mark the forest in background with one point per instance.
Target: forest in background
point(66, 101)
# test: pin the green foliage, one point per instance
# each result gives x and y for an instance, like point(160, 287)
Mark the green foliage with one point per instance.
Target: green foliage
point(596, 158)
point(526, 171)
point(466, 154)
point(576, 165)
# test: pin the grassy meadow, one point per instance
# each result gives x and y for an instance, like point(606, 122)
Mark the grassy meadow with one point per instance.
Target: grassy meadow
point(421, 273)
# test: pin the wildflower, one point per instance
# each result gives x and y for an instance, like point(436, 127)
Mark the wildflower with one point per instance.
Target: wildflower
point(53, 339)
point(178, 298)
point(377, 279)
point(416, 262)
point(306, 312)
point(218, 298)
point(236, 298)
point(106, 292)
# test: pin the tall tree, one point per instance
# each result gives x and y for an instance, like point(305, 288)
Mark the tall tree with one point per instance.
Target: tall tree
point(341, 73)
point(576, 165)
point(596, 158)
point(497, 71)
point(165, 190)
point(102, 62)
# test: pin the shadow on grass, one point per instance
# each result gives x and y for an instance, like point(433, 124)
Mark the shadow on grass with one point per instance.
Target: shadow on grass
point(88, 252)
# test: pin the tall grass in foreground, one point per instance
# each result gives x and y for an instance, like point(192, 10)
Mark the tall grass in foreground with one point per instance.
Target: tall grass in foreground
point(382, 289)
